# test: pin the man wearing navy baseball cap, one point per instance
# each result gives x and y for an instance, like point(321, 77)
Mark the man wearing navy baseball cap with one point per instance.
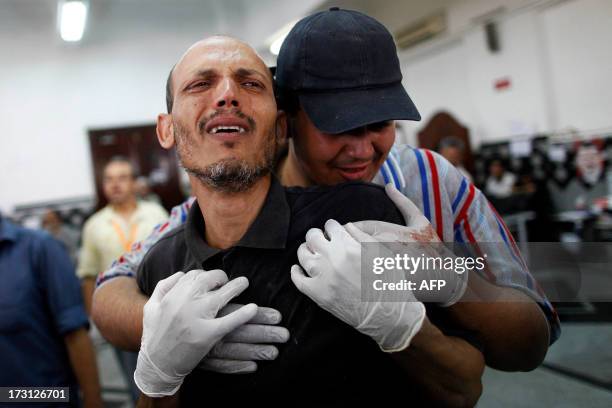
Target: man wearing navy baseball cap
point(343, 67)
point(339, 81)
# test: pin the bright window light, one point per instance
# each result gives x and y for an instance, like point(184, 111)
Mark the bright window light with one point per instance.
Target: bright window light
point(72, 20)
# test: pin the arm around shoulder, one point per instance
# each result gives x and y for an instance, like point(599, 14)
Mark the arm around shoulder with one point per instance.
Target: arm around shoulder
point(448, 369)
point(117, 311)
point(514, 333)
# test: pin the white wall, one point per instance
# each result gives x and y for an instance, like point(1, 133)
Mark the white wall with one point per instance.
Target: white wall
point(51, 93)
point(50, 97)
point(459, 77)
point(557, 56)
point(521, 108)
point(443, 72)
point(578, 36)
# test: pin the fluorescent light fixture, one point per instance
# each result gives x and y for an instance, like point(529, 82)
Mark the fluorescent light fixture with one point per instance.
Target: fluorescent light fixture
point(72, 19)
point(276, 40)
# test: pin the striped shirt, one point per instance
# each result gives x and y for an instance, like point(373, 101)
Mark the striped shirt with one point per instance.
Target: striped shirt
point(457, 210)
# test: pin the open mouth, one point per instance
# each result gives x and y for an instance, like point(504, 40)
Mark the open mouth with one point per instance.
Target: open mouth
point(227, 129)
point(227, 125)
point(354, 172)
point(353, 169)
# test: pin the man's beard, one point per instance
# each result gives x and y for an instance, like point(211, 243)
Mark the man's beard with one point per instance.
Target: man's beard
point(229, 175)
point(226, 175)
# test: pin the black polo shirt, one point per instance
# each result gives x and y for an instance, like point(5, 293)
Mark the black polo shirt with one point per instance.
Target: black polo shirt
point(325, 362)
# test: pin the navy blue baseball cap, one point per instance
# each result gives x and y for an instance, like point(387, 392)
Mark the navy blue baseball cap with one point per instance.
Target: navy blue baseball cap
point(343, 67)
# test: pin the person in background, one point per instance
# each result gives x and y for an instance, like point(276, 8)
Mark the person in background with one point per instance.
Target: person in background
point(43, 324)
point(500, 183)
point(52, 223)
point(453, 150)
point(112, 231)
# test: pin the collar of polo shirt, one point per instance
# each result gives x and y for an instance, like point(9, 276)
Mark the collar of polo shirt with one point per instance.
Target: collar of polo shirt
point(268, 231)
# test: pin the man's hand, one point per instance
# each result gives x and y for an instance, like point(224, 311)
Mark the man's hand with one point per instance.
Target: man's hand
point(180, 326)
point(417, 229)
point(333, 281)
point(118, 309)
point(417, 238)
point(238, 352)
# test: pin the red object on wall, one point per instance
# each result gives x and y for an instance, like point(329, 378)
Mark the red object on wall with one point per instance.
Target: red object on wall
point(502, 84)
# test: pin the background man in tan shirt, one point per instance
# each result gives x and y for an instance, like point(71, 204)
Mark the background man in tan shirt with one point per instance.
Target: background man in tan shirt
point(111, 231)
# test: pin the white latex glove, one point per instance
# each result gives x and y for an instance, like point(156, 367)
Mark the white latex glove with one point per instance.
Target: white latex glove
point(180, 328)
point(333, 281)
point(418, 230)
point(237, 352)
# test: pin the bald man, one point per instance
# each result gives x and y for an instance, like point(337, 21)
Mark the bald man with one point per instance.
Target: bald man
point(512, 335)
point(244, 226)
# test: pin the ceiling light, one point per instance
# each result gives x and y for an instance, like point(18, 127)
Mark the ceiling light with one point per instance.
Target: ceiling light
point(72, 19)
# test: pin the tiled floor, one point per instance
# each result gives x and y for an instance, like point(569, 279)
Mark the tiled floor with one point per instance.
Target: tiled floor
point(539, 388)
point(114, 388)
point(584, 348)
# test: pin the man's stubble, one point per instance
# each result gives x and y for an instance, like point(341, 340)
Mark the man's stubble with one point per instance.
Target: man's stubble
point(226, 175)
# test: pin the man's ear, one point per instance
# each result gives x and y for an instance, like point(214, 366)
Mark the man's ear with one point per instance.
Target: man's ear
point(165, 130)
point(281, 127)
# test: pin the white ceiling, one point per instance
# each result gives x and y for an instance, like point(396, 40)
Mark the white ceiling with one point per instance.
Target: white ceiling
point(394, 14)
point(112, 20)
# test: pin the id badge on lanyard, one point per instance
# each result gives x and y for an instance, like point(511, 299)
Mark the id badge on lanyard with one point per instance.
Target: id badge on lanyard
point(126, 242)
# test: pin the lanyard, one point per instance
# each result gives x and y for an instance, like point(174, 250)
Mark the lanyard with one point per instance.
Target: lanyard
point(126, 243)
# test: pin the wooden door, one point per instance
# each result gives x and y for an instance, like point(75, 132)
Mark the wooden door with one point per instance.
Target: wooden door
point(442, 125)
point(139, 144)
